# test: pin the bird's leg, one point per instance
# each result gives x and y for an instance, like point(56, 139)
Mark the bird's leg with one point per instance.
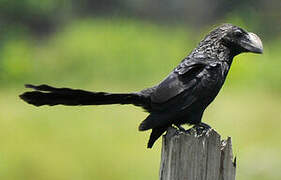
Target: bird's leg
point(183, 130)
point(180, 128)
point(202, 127)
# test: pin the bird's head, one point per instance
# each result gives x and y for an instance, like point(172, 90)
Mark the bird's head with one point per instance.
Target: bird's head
point(239, 40)
point(230, 39)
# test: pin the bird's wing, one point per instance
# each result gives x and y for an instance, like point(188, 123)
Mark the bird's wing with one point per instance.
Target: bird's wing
point(191, 80)
point(184, 77)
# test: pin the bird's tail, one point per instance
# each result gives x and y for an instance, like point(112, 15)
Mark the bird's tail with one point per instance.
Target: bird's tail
point(47, 95)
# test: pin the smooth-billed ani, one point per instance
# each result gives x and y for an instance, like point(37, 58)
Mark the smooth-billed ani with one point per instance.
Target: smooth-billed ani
point(181, 97)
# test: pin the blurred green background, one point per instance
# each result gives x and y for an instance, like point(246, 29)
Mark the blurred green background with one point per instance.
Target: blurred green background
point(124, 46)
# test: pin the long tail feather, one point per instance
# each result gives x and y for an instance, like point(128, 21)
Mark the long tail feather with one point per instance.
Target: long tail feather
point(48, 95)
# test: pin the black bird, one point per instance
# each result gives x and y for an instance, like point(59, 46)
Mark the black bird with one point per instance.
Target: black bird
point(181, 97)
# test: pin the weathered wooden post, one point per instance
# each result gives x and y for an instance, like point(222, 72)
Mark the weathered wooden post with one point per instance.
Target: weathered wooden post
point(188, 156)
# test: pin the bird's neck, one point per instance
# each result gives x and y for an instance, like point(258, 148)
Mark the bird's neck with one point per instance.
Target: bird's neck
point(214, 50)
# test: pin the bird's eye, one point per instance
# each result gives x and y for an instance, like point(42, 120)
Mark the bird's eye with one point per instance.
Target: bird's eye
point(237, 33)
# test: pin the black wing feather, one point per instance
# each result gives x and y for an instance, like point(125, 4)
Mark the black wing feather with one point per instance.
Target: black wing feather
point(181, 79)
point(175, 93)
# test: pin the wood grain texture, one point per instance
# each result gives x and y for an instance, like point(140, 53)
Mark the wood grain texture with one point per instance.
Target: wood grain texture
point(196, 157)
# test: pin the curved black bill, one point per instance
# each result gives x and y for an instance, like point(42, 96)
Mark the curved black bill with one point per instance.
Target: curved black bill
point(252, 43)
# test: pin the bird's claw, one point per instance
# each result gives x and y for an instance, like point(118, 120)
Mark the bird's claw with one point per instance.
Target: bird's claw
point(183, 130)
point(201, 128)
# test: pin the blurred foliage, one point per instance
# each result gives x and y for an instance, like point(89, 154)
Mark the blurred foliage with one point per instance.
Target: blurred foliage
point(45, 16)
point(132, 51)
point(125, 46)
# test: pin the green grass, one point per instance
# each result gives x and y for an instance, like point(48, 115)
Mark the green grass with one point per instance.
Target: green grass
point(103, 142)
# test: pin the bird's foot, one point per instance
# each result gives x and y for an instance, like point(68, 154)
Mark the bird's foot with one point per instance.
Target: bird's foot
point(183, 130)
point(201, 128)
point(180, 128)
